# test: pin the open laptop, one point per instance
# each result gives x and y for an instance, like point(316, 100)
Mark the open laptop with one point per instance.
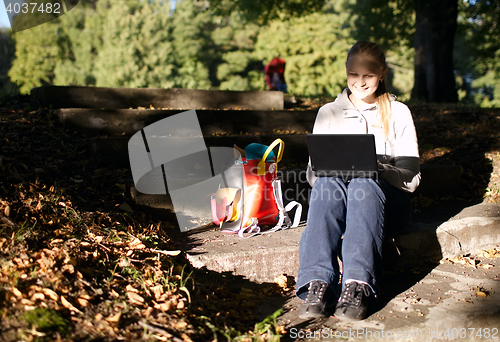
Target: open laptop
point(345, 156)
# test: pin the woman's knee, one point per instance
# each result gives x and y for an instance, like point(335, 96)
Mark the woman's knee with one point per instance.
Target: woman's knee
point(362, 188)
point(328, 189)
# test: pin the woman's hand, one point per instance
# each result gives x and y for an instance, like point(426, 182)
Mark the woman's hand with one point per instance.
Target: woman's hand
point(380, 167)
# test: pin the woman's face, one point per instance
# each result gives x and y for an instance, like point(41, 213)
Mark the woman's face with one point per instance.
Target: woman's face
point(363, 77)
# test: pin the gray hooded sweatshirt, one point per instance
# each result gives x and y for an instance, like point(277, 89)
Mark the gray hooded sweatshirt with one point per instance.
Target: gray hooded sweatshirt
point(398, 154)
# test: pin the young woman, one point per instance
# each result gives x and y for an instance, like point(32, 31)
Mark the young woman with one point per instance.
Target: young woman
point(361, 210)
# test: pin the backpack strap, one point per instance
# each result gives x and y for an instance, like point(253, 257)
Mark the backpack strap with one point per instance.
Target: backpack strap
point(284, 221)
point(253, 229)
point(261, 167)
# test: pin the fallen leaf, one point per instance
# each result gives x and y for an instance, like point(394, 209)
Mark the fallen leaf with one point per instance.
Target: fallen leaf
point(170, 253)
point(186, 338)
point(114, 318)
point(17, 293)
point(34, 332)
point(162, 306)
point(135, 298)
point(68, 305)
point(28, 302)
point(280, 329)
point(38, 296)
point(136, 244)
point(157, 290)
point(281, 280)
point(130, 288)
point(68, 268)
point(82, 302)
point(179, 325)
point(146, 313)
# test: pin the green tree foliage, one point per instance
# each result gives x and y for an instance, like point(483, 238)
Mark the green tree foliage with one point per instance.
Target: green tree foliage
point(388, 23)
point(190, 39)
point(238, 69)
point(84, 35)
point(314, 46)
point(136, 46)
point(38, 50)
point(222, 44)
point(264, 10)
point(116, 44)
point(477, 53)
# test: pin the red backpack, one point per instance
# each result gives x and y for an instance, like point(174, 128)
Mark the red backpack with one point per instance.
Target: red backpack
point(252, 196)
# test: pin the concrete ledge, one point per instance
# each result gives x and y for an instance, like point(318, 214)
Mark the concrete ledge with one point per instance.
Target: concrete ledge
point(228, 122)
point(474, 228)
point(95, 97)
point(468, 234)
point(262, 258)
point(114, 150)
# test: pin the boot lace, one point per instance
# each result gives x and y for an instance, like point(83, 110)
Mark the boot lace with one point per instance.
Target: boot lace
point(353, 294)
point(316, 291)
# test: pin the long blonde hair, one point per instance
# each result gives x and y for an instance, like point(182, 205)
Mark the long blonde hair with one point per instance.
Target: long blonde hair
point(383, 97)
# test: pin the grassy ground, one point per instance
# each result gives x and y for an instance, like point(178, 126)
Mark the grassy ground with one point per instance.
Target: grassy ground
point(78, 264)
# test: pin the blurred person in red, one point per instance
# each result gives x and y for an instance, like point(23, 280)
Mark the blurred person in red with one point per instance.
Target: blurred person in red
point(275, 74)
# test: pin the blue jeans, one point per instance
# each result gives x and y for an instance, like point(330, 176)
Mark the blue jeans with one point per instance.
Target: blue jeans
point(363, 211)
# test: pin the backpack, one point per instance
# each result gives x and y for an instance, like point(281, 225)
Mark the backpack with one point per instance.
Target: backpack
point(252, 194)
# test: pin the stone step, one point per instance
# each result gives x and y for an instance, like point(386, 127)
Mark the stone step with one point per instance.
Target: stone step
point(99, 97)
point(114, 150)
point(227, 122)
point(264, 257)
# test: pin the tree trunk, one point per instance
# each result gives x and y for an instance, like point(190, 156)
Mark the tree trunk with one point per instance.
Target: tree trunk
point(436, 23)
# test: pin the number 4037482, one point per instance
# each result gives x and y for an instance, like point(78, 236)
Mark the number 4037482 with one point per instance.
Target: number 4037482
point(34, 8)
point(471, 332)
